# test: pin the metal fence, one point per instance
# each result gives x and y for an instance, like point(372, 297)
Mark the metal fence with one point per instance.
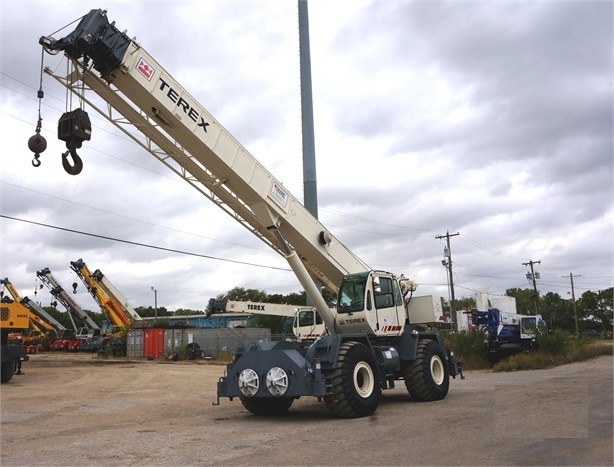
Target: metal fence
point(158, 343)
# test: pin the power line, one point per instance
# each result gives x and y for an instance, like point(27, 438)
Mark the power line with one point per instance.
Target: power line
point(129, 217)
point(172, 250)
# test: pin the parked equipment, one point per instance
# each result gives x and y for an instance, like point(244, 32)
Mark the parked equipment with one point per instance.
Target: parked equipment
point(114, 342)
point(108, 288)
point(307, 323)
point(41, 315)
point(508, 333)
point(12, 318)
point(87, 332)
point(373, 340)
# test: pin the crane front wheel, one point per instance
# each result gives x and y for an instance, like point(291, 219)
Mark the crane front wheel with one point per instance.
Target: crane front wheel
point(355, 381)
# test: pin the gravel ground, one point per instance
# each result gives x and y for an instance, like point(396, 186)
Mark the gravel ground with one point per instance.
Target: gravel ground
point(74, 409)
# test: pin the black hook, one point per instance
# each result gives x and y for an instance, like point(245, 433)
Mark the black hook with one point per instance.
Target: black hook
point(74, 127)
point(78, 163)
point(37, 144)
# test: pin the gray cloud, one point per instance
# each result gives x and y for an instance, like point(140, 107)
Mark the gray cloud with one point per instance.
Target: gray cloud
point(490, 119)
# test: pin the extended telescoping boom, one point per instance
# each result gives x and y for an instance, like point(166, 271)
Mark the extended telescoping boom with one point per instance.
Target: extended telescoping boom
point(108, 288)
point(371, 341)
point(307, 323)
point(35, 309)
point(83, 324)
point(109, 305)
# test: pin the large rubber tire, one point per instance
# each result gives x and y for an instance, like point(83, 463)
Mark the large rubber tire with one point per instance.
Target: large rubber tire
point(7, 372)
point(267, 406)
point(355, 381)
point(427, 378)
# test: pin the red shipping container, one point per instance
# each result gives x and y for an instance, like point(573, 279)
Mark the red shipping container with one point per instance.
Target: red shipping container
point(153, 343)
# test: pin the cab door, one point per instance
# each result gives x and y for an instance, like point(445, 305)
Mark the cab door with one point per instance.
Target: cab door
point(388, 304)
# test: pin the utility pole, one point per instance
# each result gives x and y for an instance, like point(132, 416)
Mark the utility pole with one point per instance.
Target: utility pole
point(573, 301)
point(155, 291)
point(310, 184)
point(532, 276)
point(447, 262)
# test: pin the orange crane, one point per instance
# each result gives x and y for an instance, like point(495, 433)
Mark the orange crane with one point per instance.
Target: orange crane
point(116, 315)
point(12, 319)
point(38, 316)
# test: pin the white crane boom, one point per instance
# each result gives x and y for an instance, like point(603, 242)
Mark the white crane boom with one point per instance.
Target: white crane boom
point(185, 137)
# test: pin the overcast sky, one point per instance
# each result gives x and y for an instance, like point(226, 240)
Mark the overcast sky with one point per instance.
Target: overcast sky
point(492, 120)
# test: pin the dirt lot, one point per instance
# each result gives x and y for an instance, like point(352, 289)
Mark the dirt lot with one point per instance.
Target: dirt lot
point(73, 409)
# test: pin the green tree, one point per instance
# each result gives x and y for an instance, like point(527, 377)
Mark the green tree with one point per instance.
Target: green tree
point(244, 295)
point(464, 303)
point(187, 312)
point(150, 311)
point(596, 307)
point(277, 324)
point(61, 317)
point(557, 312)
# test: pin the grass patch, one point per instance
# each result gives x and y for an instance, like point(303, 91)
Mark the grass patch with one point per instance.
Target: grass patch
point(468, 349)
point(570, 350)
point(555, 348)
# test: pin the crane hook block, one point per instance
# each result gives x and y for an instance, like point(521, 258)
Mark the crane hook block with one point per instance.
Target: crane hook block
point(37, 144)
point(74, 127)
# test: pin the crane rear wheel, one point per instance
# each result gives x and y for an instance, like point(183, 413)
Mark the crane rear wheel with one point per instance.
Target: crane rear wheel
point(427, 377)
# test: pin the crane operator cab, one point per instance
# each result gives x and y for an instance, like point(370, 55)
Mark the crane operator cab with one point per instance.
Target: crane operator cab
point(371, 302)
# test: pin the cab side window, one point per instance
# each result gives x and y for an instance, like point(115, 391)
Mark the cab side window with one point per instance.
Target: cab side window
point(398, 298)
point(383, 293)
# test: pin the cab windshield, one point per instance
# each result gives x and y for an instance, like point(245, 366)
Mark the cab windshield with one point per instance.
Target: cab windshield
point(352, 293)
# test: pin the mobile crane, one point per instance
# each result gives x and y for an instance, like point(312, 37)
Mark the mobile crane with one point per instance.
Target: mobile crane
point(36, 324)
point(12, 319)
point(508, 333)
point(50, 323)
point(307, 323)
point(36, 331)
point(113, 342)
point(109, 305)
point(107, 287)
point(87, 327)
point(371, 341)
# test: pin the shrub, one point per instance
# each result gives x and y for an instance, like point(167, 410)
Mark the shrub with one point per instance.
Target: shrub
point(469, 349)
point(556, 348)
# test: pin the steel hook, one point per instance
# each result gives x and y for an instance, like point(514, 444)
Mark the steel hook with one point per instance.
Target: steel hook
point(77, 165)
point(36, 161)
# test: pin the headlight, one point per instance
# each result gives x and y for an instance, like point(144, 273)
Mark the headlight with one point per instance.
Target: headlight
point(249, 383)
point(277, 381)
